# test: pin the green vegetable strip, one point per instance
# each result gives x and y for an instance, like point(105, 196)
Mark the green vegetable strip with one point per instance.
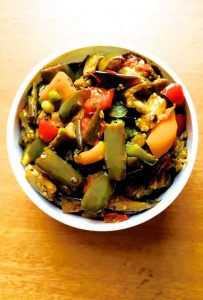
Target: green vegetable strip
point(78, 134)
point(32, 151)
point(97, 196)
point(59, 169)
point(71, 105)
point(32, 104)
point(91, 133)
point(135, 150)
point(115, 157)
point(121, 203)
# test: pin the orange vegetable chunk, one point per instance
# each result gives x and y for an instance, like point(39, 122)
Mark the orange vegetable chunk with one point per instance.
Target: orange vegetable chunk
point(62, 84)
point(163, 135)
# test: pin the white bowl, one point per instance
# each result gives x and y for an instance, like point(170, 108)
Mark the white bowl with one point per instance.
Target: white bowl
point(69, 55)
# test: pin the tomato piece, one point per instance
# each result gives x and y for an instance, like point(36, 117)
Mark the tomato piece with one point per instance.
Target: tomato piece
point(181, 123)
point(174, 93)
point(47, 130)
point(114, 218)
point(99, 97)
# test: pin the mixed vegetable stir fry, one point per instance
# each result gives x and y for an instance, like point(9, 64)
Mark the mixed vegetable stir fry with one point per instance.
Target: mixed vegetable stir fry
point(103, 138)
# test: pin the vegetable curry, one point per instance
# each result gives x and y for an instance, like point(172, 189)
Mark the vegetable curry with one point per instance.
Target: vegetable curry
point(105, 137)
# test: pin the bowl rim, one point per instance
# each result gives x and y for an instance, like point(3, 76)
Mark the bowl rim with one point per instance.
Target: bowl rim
point(69, 219)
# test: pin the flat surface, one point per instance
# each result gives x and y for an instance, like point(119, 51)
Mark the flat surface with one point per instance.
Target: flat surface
point(43, 259)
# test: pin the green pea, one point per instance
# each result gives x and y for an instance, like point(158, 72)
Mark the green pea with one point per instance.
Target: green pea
point(54, 96)
point(48, 107)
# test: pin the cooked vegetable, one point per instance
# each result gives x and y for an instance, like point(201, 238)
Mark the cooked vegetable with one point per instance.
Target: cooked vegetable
point(47, 107)
point(110, 61)
point(152, 112)
point(59, 169)
point(82, 82)
point(91, 64)
point(32, 151)
point(91, 156)
point(100, 97)
point(137, 151)
point(64, 136)
point(162, 136)
point(27, 133)
point(108, 131)
point(43, 185)
point(47, 130)
point(115, 157)
point(54, 96)
point(97, 196)
point(117, 80)
point(123, 204)
point(32, 104)
point(62, 84)
point(72, 104)
point(91, 134)
point(174, 93)
point(78, 133)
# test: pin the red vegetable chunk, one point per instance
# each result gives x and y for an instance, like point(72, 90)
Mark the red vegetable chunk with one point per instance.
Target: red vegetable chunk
point(47, 130)
point(99, 97)
point(174, 93)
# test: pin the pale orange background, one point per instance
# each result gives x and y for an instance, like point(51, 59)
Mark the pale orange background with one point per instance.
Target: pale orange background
point(43, 259)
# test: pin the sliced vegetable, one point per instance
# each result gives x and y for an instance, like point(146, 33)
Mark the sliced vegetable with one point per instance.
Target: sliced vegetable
point(121, 203)
point(59, 169)
point(118, 80)
point(91, 156)
point(64, 136)
point(100, 97)
point(115, 157)
point(39, 182)
point(62, 84)
point(32, 151)
point(174, 93)
point(47, 130)
point(98, 195)
point(135, 150)
point(32, 102)
point(91, 134)
point(91, 64)
point(72, 104)
point(78, 133)
point(111, 61)
point(163, 135)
